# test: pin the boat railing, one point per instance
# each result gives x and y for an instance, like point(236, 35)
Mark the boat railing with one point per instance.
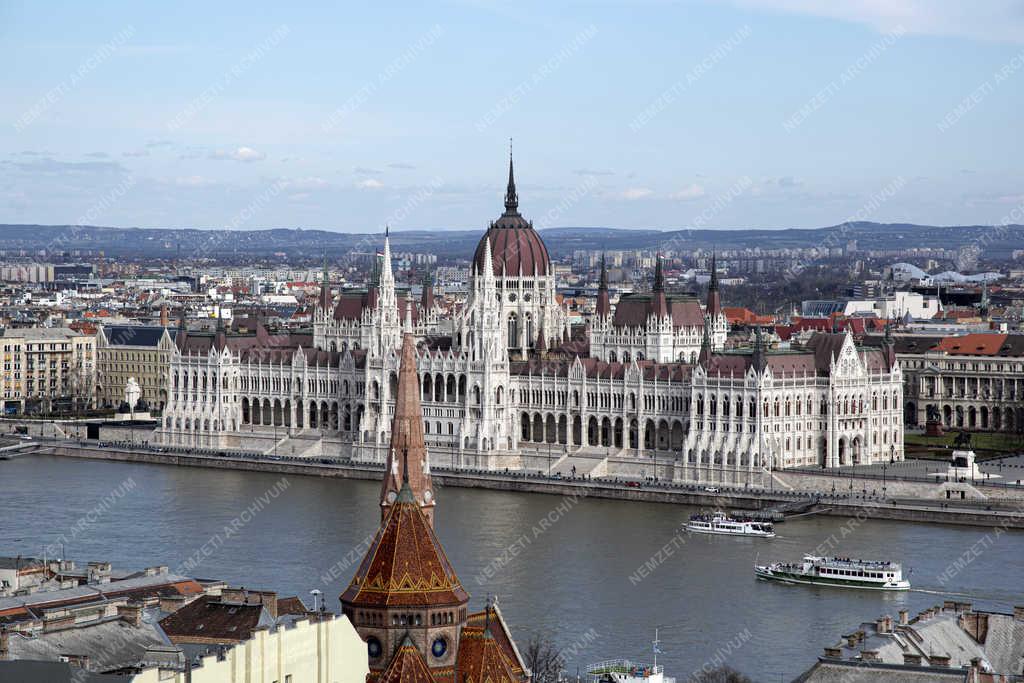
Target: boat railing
point(624, 666)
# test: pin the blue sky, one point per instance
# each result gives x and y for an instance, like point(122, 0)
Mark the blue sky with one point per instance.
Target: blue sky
point(347, 116)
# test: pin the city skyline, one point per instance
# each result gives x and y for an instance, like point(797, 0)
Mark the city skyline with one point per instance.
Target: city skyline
point(752, 114)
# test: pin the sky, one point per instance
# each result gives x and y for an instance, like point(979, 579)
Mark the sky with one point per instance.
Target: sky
point(632, 114)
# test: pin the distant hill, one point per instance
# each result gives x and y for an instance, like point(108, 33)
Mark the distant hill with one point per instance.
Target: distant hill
point(299, 243)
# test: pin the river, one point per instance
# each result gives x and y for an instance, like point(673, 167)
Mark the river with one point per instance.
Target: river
point(598, 574)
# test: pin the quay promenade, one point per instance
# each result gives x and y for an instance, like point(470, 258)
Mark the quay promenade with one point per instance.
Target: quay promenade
point(809, 493)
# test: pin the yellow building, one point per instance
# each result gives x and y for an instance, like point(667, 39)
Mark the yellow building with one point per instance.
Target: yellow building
point(47, 369)
point(139, 351)
point(323, 650)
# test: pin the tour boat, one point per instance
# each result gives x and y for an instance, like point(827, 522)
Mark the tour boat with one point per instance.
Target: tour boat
point(720, 523)
point(843, 572)
point(626, 671)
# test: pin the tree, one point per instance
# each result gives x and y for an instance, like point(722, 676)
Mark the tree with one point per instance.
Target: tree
point(721, 674)
point(543, 659)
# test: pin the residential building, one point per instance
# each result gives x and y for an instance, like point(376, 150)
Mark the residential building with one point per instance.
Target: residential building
point(947, 643)
point(47, 369)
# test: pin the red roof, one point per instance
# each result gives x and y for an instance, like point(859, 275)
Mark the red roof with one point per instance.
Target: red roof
point(972, 344)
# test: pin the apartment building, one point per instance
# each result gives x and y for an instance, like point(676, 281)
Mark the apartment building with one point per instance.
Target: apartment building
point(47, 369)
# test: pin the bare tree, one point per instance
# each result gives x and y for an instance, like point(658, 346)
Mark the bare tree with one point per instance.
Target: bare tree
point(721, 674)
point(543, 659)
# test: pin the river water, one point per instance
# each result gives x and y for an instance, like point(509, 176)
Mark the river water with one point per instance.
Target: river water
point(600, 575)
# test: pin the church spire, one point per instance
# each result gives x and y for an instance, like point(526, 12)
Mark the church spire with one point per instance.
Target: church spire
point(511, 198)
point(407, 457)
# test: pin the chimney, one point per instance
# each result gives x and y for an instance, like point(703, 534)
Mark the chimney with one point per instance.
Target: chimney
point(98, 572)
point(904, 617)
point(131, 613)
point(911, 659)
point(5, 647)
point(80, 661)
point(833, 652)
point(1018, 613)
point(164, 319)
point(882, 625)
point(949, 605)
point(938, 660)
point(172, 603)
point(869, 656)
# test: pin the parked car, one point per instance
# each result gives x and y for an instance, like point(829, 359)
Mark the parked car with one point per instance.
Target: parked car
point(711, 489)
point(633, 484)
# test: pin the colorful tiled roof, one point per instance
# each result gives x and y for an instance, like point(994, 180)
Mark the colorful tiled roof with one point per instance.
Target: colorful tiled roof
point(405, 565)
point(407, 666)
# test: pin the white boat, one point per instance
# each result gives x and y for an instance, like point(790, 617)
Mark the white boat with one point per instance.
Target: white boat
point(843, 572)
point(720, 523)
point(626, 671)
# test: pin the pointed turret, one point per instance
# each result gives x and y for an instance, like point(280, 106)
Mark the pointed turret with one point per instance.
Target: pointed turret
point(220, 339)
point(604, 306)
point(660, 307)
point(889, 345)
point(714, 306)
point(542, 343)
point(705, 348)
point(407, 457)
point(659, 276)
point(427, 296)
point(760, 361)
point(325, 288)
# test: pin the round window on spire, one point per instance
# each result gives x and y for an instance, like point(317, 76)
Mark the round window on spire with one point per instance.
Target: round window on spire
point(439, 647)
point(373, 647)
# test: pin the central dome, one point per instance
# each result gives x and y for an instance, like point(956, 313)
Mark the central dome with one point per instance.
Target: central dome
point(516, 248)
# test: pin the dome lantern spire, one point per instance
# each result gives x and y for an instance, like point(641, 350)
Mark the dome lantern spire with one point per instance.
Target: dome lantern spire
point(511, 198)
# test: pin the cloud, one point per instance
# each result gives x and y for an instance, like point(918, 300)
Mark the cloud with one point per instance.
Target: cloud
point(193, 181)
point(159, 143)
point(136, 153)
point(310, 183)
point(691, 191)
point(370, 184)
point(243, 154)
point(588, 171)
point(54, 166)
point(402, 166)
point(992, 20)
point(363, 170)
point(788, 181)
point(633, 193)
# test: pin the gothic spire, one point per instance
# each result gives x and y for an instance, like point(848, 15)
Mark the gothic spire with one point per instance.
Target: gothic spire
point(659, 277)
point(714, 306)
point(604, 307)
point(511, 198)
point(407, 440)
point(760, 362)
